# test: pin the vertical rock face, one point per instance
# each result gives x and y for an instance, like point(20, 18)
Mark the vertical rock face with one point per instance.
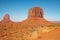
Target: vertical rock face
point(35, 12)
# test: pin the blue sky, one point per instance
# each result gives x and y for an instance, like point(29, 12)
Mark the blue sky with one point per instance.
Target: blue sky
point(18, 9)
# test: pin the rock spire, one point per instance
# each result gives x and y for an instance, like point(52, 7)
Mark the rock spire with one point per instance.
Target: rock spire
point(35, 12)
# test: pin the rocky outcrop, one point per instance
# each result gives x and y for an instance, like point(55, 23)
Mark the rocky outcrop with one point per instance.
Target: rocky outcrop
point(6, 19)
point(35, 16)
point(35, 12)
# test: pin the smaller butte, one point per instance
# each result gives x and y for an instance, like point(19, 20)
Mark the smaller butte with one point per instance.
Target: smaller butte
point(6, 19)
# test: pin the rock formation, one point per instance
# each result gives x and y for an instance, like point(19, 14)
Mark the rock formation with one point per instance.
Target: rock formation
point(35, 12)
point(6, 18)
point(35, 16)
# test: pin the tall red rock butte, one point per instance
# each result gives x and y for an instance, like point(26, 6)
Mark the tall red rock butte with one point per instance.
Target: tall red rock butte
point(35, 16)
point(35, 12)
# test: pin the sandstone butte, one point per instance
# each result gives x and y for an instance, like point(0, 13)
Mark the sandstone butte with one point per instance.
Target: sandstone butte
point(35, 27)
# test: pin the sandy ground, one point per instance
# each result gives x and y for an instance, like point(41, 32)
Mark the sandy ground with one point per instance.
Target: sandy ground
point(52, 35)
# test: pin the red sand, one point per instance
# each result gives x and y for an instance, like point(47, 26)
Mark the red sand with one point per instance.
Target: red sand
point(53, 35)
